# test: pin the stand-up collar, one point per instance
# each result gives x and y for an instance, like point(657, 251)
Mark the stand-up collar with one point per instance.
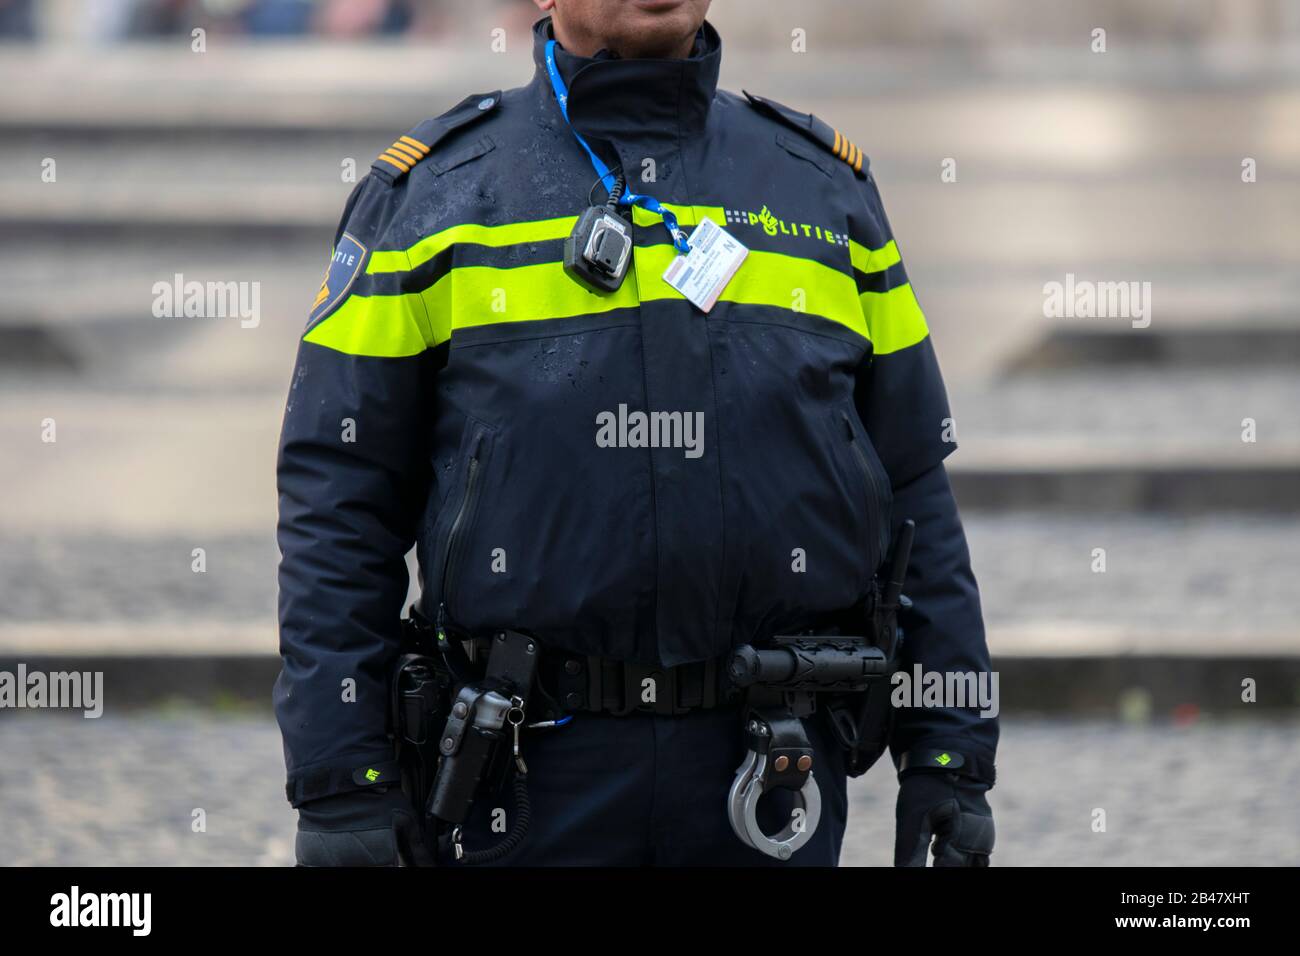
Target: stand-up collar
point(615, 98)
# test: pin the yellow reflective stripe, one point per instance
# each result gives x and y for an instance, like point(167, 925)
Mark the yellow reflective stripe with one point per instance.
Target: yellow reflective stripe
point(380, 326)
point(397, 325)
point(686, 215)
point(483, 295)
point(873, 260)
point(894, 319)
point(504, 235)
point(766, 278)
point(384, 326)
point(470, 296)
point(801, 285)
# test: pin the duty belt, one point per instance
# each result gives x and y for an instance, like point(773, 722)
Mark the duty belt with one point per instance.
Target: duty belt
point(582, 684)
point(619, 688)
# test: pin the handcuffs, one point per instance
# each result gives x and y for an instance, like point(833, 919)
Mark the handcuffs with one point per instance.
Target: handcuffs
point(786, 680)
point(778, 755)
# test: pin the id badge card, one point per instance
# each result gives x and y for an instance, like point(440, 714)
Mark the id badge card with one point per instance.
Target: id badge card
point(704, 272)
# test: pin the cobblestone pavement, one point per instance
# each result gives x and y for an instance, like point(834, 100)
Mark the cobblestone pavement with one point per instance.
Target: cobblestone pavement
point(123, 791)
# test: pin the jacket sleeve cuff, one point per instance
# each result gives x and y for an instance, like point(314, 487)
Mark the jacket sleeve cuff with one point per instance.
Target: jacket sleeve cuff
point(349, 772)
point(947, 755)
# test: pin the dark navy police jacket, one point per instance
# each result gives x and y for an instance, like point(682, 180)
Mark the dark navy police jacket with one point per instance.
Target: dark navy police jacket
point(450, 382)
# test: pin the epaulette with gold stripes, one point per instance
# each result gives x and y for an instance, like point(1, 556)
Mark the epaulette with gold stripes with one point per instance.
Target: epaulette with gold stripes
point(822, 133)
point(404, 153)
point(414, 147)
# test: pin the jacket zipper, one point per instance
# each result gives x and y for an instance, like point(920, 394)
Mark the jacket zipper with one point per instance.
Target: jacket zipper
point(861, 456)
point(873, 483)
point(450, 563)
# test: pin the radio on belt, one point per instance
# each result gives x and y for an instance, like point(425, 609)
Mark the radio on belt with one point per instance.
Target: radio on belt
point(599, 249)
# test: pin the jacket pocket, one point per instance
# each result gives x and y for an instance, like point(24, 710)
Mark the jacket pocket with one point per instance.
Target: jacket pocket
point(480, 147)
point(802, 151)
point(462, 509)
point(879, 496)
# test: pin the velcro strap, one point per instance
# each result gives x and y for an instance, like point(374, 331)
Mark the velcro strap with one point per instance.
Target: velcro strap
point(942, 760)
point(317, 782)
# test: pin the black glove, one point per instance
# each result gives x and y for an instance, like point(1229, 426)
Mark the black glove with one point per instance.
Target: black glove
point(362, 828)
point(952, 808)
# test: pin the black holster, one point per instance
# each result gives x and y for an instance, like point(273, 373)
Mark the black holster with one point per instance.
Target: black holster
point(448, 720)
point(862, 722)
point(848, 678)
point(421, 690)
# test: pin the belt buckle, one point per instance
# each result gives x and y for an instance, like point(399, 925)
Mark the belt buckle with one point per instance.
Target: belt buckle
point(665, 689)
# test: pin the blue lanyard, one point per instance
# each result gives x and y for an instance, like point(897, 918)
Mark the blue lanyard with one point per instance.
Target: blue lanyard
point(628, 198)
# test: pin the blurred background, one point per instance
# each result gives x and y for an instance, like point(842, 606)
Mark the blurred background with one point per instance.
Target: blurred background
point(1131, 494)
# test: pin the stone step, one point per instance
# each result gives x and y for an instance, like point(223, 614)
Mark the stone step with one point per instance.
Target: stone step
point(1023, 475)
point(1248, 343)
point(1137, 686)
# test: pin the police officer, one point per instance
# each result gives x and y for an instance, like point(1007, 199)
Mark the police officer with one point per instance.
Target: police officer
point(640, 468)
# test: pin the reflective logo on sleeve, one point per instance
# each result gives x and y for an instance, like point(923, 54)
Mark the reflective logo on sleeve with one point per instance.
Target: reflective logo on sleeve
point(345, 265)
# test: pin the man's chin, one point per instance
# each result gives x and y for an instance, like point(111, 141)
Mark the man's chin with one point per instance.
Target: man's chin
point(657, 39)
point(659, 7)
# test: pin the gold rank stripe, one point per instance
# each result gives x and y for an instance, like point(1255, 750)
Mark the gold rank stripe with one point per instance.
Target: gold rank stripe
point(847, 151)
point(393, 159)
point(403, 150)
point(405, 153)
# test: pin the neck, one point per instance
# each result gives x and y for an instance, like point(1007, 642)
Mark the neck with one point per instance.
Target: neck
point(633, 98)
point(584, 42)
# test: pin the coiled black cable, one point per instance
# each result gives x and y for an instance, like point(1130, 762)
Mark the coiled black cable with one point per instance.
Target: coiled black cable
point(523, 811)
point(619, 184)
point(617, 191)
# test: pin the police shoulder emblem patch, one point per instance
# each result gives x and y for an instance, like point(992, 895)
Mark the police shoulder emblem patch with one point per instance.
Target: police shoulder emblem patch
point(345, 265)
